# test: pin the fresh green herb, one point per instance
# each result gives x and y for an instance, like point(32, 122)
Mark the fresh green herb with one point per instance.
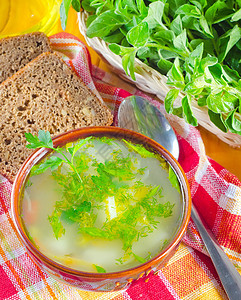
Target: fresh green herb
point(174, 180)
point(139, 149)
point(64, 10)
point(99, 269)
point(44, 140)
point(139, 258)
point(196, 44)
point(132, 208)
point(55, 223)
point(119, 261)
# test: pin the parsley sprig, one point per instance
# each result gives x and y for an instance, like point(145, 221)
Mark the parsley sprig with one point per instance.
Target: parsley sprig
point(44, 140)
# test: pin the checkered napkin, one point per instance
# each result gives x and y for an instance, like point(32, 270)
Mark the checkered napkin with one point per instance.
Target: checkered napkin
point(190, 273)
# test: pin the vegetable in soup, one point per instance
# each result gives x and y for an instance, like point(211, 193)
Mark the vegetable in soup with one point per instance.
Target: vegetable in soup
point(102, 205)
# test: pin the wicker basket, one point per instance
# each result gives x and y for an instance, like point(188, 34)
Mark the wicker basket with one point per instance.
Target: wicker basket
point(151, 81)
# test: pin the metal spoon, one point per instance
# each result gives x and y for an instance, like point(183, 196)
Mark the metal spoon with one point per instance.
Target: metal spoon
point(137, 114)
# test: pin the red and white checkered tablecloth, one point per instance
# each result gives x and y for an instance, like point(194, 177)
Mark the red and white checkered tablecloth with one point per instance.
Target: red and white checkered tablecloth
point(190, 273)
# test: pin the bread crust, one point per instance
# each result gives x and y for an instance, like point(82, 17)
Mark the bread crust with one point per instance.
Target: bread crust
point(36, 33)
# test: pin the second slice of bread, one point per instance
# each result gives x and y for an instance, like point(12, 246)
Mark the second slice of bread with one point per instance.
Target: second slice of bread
point(17, 51)
point(46, 94)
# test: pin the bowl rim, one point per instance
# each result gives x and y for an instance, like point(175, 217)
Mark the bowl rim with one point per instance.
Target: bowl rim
point(70, 136)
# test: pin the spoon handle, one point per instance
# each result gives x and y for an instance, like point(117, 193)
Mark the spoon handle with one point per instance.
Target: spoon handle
point(229, 276)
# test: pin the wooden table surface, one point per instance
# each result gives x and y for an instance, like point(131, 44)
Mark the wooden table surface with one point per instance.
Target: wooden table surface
point(227, 156)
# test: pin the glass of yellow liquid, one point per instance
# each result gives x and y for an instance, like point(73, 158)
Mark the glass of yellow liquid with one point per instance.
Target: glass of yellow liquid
point(23, 16)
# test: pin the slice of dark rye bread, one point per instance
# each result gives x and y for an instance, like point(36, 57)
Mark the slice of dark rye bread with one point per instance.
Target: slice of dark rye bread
point(45, 94)
point(17, 51)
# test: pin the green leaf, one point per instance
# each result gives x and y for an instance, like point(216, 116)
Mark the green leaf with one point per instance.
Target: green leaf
point(153, 191)
point(126, 7)
point(77, 146)
point(213, 12)
point(202, 101)
point(233, 123)
point(205, 27)
point(217, 73)
point(222, 102)
point(208, 45)
point(76, 5)
point(45, 138)
point(33, 141)
point(90, 19)
point(169, 100)
point(178, 111)
point(187, 111)
point(175, 75)
point(228, 40)
point(193, 89)
point(165, 210)
point(213, 24)
point(128, 62)
point(52, 162)
point(86, 5)
point(139, 149)
point(99, 269)
point(189, 10)
point(56, 225)
point(64, 11)
point(156, 10)
point(142, 7)
point(180, 42)
point(233, 59)
point(174, 5)
point(165, 36)
point(139, 258)
point(176, 25)
point(164, 65)
point(192, 23)
point(174, 179)
point(230, 75)
point(199, 4)
point(115, 37)
point(138, 35)
point(145, 52)
point(223, 15)
point(194, 58)
point(128, 58)
point(94, 231)
point(119, 50)
point(236, 16)
point(218, 120)
point(207, 62)
point(73, 214)
point(85, 206)
point(167, 54)
point(101, 6)
point(105, 23)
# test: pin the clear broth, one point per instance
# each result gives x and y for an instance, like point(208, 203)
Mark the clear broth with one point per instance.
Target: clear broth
point(94, 254)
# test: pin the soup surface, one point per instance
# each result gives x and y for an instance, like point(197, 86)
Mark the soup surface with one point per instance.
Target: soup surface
point(118, 207)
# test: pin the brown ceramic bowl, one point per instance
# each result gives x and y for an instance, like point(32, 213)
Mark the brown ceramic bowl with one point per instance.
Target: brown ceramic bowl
point(100, 281)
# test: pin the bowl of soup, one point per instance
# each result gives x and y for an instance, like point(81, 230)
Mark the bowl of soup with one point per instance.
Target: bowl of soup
point(105, 207)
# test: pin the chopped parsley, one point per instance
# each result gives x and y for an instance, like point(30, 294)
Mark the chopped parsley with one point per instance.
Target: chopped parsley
point(114, 185)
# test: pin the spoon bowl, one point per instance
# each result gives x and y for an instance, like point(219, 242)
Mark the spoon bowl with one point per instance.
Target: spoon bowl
point(136, 114)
